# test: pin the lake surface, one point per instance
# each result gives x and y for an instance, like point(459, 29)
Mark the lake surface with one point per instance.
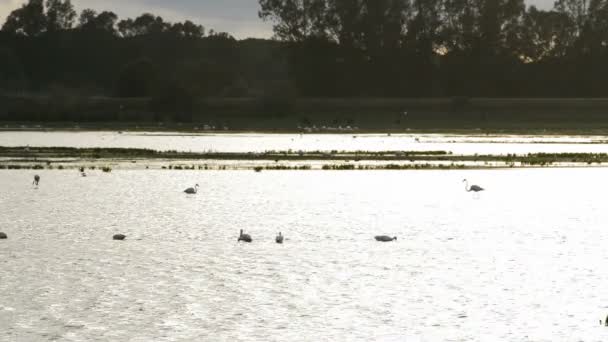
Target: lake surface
point(458, 144)
point(524, 261)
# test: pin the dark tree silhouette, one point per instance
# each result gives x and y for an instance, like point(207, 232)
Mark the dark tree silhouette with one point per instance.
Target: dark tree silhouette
point(29, 20)
point(60, 15)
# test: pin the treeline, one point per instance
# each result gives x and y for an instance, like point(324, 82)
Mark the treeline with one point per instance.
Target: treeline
point(47, 49)
point(323, 48)
point(490, 48)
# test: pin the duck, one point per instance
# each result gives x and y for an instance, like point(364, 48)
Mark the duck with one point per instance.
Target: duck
point(385, 238)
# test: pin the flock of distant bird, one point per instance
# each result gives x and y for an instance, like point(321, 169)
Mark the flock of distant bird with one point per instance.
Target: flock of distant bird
point(380, 238)
point(279, 238)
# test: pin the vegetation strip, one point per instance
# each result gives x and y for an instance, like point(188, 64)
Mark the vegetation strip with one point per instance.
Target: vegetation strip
point(46, 154)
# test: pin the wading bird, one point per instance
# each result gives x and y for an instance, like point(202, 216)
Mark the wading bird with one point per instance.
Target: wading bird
point(474, 188)
point(385, 238)
point(192, 191)
point(279, 238)
point(36, 180)
point(244, 237)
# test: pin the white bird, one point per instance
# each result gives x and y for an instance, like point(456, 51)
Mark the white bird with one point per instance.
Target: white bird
point(192, 191)
point(474, 188)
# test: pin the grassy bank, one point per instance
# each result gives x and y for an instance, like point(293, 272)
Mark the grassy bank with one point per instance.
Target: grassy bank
point(287, 114)
point(273, 159)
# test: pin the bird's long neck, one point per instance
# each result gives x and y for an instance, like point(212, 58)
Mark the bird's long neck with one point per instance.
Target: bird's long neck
point(466, 186)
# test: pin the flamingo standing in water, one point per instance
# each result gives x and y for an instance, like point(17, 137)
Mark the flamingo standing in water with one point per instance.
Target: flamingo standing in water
point(192, 191)
point(474, 188)
point(245, 237)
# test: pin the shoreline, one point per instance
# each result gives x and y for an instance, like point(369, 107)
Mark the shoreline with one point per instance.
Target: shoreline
point(195, 130)
point(547, 116)
point(66, 157)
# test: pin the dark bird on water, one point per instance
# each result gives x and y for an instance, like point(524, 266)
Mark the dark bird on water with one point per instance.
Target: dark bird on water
point(474, 188)
point(385, 238)
point(192, 191)
point(119, 237)
point(244, 237)
point(3, 236)
point(36, 180)
point(279, 238)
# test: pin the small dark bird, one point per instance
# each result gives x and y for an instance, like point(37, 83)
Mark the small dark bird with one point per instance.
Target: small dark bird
point(119, 237)
point(474, 188)
point(192, 191)
point(279, 238)
point(3, 236)
point(385, 238)
point(36, 180)
point(244, 237)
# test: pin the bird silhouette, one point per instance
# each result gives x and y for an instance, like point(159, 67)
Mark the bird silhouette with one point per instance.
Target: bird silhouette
point(192, 191)
point(244, 237)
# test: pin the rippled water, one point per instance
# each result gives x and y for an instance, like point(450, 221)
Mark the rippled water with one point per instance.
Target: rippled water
point(524, 261)
point(458, 144)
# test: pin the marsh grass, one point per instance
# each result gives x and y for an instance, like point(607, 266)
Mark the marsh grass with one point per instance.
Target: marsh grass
point(39, 158)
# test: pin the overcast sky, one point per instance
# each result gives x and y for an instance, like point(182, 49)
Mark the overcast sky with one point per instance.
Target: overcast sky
point(238, 17)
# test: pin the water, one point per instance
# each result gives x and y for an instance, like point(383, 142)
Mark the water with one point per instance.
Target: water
point(524, 261)
point(458, 144)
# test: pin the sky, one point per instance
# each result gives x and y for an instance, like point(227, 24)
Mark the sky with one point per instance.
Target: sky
point(237, 17)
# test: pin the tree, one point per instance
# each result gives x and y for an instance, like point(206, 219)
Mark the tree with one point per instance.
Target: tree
point(28, 20)
point(188, 29)
point(143, 25)
point(87, 16)
point(295, 20)
point(105, 21)
point(60, 15)
point(545, 35)
point(588, 23)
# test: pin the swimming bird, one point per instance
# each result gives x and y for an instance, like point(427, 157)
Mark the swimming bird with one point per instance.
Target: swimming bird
point(119, 237)
point(474, 188)
point(244, 237)
point(3, 236)
point(192, 191)
point(36, 180)
point(279, 238)
point(385, 238)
